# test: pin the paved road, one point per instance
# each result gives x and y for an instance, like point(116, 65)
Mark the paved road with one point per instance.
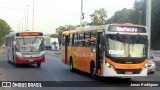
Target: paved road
point(54, 70)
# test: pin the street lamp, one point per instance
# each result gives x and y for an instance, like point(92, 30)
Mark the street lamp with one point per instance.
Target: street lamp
point(140, 15)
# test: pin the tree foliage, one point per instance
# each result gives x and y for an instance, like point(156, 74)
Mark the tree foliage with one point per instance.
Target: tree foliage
point(4, 30)
point(54, 36)
point(127, 16)
point(123, 16)
point(60, 29)
point(155, 25)
point(133, 16)
point(98, 17)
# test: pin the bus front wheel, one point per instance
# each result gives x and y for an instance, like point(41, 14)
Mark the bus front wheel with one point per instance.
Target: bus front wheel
point(38, 64)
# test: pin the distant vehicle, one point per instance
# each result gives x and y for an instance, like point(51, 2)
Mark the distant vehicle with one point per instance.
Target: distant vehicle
point(25, 48)
point(151, 64)
point(113, 50)
point(48, 45)
point(51, 44)
point(55, 44)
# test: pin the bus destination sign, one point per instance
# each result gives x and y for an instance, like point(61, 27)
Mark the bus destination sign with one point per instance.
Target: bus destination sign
point(131, 29)
point(29, 34)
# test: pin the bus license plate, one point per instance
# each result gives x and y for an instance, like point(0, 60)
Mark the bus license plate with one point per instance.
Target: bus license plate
point(128, 73)
point(31, 61)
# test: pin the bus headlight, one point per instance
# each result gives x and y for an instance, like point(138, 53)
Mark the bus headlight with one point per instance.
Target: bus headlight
point(145, 66)
point(19, 54)
point(107, 64)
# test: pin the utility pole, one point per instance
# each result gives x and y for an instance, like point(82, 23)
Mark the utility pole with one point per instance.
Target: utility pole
point(148, 23)
point(22, 25)
point(19, 27)
point(81, 13)
point(33, 18)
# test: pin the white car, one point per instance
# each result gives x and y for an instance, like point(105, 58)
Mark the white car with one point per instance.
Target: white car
point(151, 64)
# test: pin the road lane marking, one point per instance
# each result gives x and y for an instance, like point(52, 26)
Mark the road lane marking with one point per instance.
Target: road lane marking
point(56, 79)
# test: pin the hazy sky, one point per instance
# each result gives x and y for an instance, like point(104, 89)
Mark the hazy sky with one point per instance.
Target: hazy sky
point(50, 14)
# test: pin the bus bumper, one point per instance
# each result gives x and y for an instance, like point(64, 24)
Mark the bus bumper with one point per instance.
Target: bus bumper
point(30, 60)
point(111, 72)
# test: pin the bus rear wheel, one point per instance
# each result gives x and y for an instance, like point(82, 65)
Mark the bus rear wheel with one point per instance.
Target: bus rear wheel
point(8, 59)
point(71, 66)
point(93, 71)
point(38, 64)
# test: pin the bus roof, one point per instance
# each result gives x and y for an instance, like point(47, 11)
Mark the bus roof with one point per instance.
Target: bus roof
point(101, 27)
point(84, 29)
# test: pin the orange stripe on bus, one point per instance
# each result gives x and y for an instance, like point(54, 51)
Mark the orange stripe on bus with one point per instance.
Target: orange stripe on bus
point(126, 66)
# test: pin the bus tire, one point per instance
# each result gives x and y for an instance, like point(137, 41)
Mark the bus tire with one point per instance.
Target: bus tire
point(8, 59)
point(71, 66)
point(93, 71)
point(15, 64)
point(38, 64)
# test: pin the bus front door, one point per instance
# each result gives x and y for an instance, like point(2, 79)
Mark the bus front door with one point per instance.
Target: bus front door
point(66, 48)
point(99, 50)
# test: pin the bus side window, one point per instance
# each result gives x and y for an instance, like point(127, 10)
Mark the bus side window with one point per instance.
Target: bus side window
point(63, 40)
point(87, 38)
point(70, 41)
point(81, 38)
point(75, 39)
point(67, 40)
point(93, 39)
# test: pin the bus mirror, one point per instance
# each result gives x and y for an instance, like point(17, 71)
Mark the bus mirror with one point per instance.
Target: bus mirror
point(14, 42)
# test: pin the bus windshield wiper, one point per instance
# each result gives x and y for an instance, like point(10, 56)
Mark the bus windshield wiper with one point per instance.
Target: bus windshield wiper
point(23, 40)
point(119, 37)
point(34, 40)
point(137, 37)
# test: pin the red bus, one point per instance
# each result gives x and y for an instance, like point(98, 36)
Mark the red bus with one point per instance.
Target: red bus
point(114, 50)
point(25, 48)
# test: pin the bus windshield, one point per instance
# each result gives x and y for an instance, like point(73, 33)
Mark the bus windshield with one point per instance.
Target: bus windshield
point(134, 46)
point(29, 44)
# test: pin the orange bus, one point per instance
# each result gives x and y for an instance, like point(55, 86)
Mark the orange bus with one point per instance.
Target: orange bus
point(113, 50)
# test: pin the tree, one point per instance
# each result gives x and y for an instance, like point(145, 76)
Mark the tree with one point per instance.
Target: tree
point(139, 6)
point(4, 30)
point(98, 17)
point(134, 17)
point(54, 36)
point(155, 25)
point(60, 29)
point(122, 16)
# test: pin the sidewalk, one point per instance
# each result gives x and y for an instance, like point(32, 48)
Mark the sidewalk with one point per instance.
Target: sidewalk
point(1, 50)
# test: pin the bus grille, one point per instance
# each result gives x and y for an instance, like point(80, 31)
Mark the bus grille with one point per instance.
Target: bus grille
point(119, 71)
